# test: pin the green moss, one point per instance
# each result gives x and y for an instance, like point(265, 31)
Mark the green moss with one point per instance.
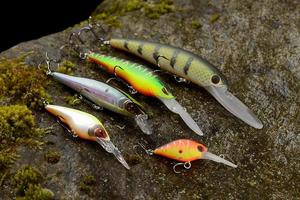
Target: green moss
point(72, 100)
point(66, 67)
point(84, 188)
point(213, 18)
point(155, 10)
point(7, 158)
point(120, 7)
point(16, 121)
point(30, 142)
point(86, 183)
point(109, 19)
point(196, 24)
point(20, 83)
point(36, 192)
point(26, 176)
point(52, 157)
point(133, 5)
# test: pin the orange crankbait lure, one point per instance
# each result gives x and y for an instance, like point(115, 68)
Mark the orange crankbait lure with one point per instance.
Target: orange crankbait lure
point(185, 151)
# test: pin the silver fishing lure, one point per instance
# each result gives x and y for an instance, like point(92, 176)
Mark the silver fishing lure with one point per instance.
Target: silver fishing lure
point(106, 96)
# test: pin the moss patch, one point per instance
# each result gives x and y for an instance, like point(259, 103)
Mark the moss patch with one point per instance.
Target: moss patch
point(7, 158)
point(155, 10)
point(21, 83)
point(196, 24)
point(52, 157)
point(86, 184)
point(152, 10)
point(133, 5)
point(36, 192)
point(213, 18)
point(17, 124)
point(26, 176)
point(72, 100)
point(66, 67)
point(16, 121)
point(28, 183)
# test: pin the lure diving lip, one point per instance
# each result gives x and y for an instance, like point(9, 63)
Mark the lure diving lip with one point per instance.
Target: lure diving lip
point(234, 105)
point(175, 107)
point(86, 126)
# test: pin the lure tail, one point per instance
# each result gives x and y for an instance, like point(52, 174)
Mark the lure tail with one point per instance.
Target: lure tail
point(175, 107)
point(110, 148)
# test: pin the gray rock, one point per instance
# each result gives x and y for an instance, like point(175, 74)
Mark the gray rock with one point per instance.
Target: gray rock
point(256, 44)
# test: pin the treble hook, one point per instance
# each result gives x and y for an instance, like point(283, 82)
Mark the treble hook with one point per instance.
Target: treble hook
point(186, 165)
point(117, 66)
point(67, 128)
point(181, 80)
point(48, 63)
point(131, 89)
point(90, 27)
point(148, 151)
point(45, 102)
point(157, 59)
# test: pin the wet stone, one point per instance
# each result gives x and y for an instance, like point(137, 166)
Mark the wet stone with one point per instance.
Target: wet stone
point(255, 44)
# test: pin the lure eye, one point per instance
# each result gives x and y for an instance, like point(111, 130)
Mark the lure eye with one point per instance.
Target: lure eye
point(200, 148)
point(97, 131)
point(165, 91)
point(100, 133)
point(215, 79)
point(132, 108)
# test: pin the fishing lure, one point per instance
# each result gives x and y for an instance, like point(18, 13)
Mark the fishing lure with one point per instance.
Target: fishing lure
point(145, 81)
point(87, 127)
point(190, 67)
point(106, 96)
point(185, 151)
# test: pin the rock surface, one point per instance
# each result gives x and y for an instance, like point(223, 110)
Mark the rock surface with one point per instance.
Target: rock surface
point(256, 44)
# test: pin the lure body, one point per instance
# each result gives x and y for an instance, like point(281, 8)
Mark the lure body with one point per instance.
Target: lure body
point(107, 97)
point(191, 67)
point(85, 125)
point(186, 151)
point(139, 77)
point(143, 80)
point(175, 60)
point(98, 92)
point(182, 150)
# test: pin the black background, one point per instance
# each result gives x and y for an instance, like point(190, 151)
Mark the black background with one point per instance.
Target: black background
point(26, 20)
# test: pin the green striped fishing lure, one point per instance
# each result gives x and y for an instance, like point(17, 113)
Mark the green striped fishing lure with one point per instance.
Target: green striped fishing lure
point(145, 81)
point(190, 67)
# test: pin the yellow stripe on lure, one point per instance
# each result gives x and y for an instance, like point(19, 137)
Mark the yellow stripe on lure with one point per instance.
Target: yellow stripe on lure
point(191, 67)
point(145, 81)
point(87, 127)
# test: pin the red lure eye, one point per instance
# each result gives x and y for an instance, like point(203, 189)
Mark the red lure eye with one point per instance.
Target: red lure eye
point(200, 148)
point(100, 133)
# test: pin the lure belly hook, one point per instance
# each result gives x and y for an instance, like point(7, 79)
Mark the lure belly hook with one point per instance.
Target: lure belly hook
point(87, 127)
point(185, 151)
point(144, 81)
